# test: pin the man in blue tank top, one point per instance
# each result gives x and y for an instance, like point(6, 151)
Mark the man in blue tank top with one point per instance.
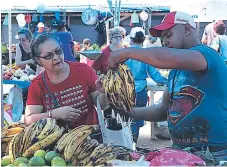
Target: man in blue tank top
point(195, 102)
point(65, 39)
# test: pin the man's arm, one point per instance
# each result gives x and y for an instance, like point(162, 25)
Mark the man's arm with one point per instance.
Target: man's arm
point(161, 57)
point(154, 113)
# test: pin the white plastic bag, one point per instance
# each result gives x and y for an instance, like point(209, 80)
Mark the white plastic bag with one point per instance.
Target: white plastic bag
point(15, 99)
point(115, 137)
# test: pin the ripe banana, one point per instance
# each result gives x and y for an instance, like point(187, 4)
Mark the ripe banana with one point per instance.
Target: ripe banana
point(84, 161)
point(102, 159)
point(27, 137)
point(38, 127)
point(12, 131)
point(120, 88)
point(14, 145)
point(86, 148)
point(43, 143)
point(7, 139)
point(73, 144)
point(48, 128)
point(62, 142)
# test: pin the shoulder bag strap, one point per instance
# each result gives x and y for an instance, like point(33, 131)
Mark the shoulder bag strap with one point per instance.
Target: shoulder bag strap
point(56, 104)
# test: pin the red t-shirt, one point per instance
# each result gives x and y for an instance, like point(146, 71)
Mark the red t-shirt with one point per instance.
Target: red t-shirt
point(73, 91)
point(101, 63)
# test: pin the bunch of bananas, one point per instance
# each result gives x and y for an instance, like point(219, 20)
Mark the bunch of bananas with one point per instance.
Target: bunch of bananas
point(36, 136)
point(69, 143)
point(8, 132)
point(120, 88)
point(100, 154)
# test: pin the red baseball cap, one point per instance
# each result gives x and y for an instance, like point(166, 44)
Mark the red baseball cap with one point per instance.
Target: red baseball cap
point(170, 20)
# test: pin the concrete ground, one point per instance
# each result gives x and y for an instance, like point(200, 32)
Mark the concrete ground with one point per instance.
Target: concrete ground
point(145, 140)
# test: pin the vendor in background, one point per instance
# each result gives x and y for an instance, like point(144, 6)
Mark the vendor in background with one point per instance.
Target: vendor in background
point(65, 39)
point(40, 29)
point(220, 42)
point(194, 102)
point(116, 36)
point(65, 91)
point(23, 49)
point(140, 72)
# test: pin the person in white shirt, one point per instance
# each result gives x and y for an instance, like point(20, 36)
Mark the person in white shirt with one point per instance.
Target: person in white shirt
point(220, 42)
point(209, 33)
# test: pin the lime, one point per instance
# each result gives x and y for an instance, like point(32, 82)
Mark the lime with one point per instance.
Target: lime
point(70, 164)
point(22, 165)
point(20, 160)
point(10, 165)
point(40, 153)
point(37, 161)
point(6, 160)
point(58, 161)
point(50, 155)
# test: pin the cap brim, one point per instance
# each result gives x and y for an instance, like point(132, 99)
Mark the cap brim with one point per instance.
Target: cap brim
point(156, 30)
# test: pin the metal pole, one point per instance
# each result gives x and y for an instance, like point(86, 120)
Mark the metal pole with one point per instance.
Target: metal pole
point(10, 36)
point(2, 108)
point(119, 13)
point(115, 14)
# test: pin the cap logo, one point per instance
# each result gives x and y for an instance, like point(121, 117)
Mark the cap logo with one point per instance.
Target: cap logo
point(181, 20)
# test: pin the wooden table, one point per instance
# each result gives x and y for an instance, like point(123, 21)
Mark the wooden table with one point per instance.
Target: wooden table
point(151, 91)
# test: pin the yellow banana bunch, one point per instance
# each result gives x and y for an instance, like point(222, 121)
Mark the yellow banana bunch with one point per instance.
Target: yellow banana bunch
point(120, 88)
point(64, 140)
point(50, 139)
point(73, 144)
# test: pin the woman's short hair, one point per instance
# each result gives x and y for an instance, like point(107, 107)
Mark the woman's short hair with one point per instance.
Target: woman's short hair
point(117, 31)
point(26, 32)
point(40, 39)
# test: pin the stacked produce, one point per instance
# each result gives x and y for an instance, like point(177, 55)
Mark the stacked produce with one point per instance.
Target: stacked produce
point(8, 133)
point(18, 74)
point(120, 88)
point(45, 143)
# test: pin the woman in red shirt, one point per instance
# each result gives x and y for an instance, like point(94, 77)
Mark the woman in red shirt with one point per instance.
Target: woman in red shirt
point(116, 35)
point(65, 90)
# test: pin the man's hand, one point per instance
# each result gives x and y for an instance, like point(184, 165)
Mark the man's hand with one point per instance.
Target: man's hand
point(117, 57)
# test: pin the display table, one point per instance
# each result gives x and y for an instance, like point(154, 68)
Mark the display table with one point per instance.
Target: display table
point(91, 54)
point(151, 91)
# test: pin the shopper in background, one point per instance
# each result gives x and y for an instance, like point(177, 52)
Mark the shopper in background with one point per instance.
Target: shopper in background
point(23, 49)
point(86, 46)
point(220, 42)
point(140, 72)
point(209, 33)
point(116, 36)
point(65, 39)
